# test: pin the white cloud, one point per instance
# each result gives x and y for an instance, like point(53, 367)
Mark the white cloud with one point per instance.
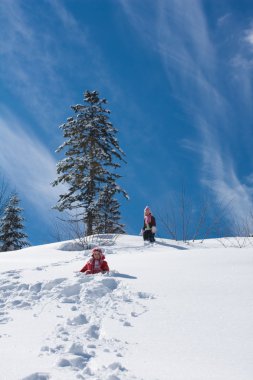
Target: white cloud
point(249, 179)
point(220, 177)
point(243, 60)
point(249, 36)
point(223, 19)
point(229, 190)
point(27, 164)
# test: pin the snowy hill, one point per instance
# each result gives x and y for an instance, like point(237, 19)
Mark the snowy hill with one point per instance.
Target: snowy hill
point(167, 312)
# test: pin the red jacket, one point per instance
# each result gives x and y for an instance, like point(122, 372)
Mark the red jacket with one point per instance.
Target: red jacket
point(89, 266)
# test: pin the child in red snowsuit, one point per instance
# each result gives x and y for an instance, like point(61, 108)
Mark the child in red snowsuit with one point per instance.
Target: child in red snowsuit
point(96, 264)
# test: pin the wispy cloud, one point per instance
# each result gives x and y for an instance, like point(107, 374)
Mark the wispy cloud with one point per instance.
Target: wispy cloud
point(28, 60)
point(243, 58)
point(27, 164)
point(33, 58)
point(180, 35)
point(249, 35)
point(222, 20)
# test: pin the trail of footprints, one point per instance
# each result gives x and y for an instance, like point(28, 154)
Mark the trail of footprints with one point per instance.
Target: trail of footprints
point(78, 339)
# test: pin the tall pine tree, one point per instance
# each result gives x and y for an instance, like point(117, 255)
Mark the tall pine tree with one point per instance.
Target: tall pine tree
point(108, 213)
point(92, 156)
point(12, 236)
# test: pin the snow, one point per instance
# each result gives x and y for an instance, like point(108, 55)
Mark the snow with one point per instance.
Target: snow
point(165, 312)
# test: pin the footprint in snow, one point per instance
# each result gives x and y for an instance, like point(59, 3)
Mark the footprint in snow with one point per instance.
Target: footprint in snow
point(20, 304)
point(99, 289)
point(22, 287)
point(36, 288)
point(62, 333)
point(70, 294)
point(114, 371)
point(12, 273)
point(37, 376)
point(71, 290)
point(76, 357)
point(72, 361)
point(93, 332)
point(52, 350)
point(110, 283)
point(54, 283)
point(127, 324)
point(144, 295)
point(5, 319)
point(78, 320)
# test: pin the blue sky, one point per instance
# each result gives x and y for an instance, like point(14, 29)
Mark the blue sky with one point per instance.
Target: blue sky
point(177, 75)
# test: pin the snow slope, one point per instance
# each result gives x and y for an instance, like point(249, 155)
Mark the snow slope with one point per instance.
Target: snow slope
point(167, 312)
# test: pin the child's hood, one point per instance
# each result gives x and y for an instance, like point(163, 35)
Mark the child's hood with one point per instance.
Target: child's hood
point(97, 249)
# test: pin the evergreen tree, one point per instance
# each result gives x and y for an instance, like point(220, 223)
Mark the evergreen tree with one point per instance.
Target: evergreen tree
point(92, 155)
point(3, 194)
point(108, 213)
point(12, 236)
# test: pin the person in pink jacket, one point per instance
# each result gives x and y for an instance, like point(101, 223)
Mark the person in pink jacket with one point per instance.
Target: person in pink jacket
point(97, 263)
point(149, 226)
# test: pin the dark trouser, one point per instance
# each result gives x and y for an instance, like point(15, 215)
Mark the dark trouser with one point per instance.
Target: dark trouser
point(148, 236)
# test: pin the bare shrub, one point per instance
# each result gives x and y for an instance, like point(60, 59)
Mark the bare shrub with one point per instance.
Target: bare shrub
point(71, 228)
point(183, 220)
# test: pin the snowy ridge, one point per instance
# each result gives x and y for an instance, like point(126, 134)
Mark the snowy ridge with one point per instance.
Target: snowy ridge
point(168, 311)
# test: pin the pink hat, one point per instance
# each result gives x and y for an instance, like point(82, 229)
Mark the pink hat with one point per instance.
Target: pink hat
point(147, 210)
point(99, 250)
